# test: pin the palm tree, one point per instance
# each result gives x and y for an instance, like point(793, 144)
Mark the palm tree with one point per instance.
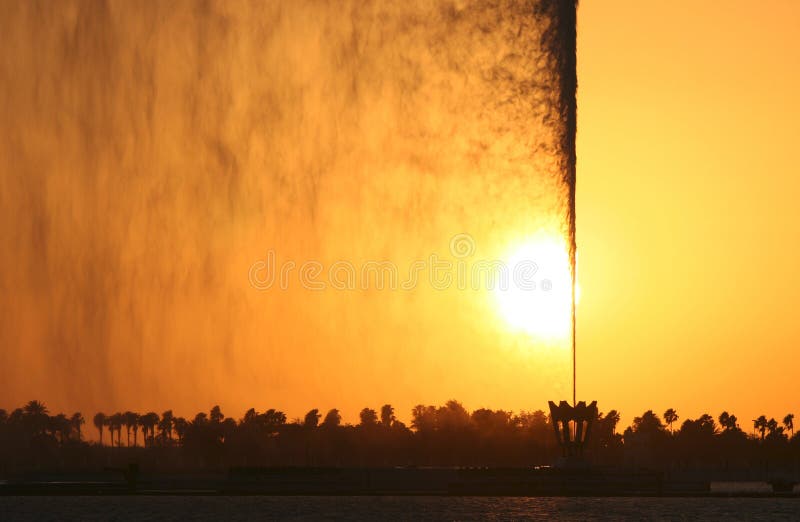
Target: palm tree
point(670, 416)
point(274, 418)
point(110, 426)
point(143, 425)
point(311, 419)
point(99, 422)
point(773, 428)
point(153, 420)
point(76, 421)
point(128, 420)
point(59, 424)
point(226, 428)
point(728, 421)
point(760, 424)
point(16, 416)
point(387, 415)
point(332, 419)
point(250, 417)
point(120, 425)
point(132, 422)
point(165, 426)
point(368, 417)
point(148, 421)
point(180, 428)
point(216, 416)
point(34, 408)
point(423, 418)
point(788, 421)
point(35, 414)
point(115, 424)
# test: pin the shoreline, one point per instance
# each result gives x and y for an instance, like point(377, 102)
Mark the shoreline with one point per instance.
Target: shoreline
point(458, 482)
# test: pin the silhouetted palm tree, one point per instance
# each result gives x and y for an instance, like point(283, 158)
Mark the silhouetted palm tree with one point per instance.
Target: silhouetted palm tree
point(368, 417)
point(488, 422)
point(311, 419)
point(148, 422)
point(788, 422)
point(274, 418)
point(226, 428)
point(728, 421)
point(180, 428)
point(332, 419)
point(99, 422)
point(141, 423)
point(250, 417)
point(35, 415)
point(132, 420)
point(59, 427)
point(115, 424)
point(165, 425)
point(773, 429)
point(111, 428)
point(423, 418)
point(452, 416)
point(611, 420)
point(387, 415)
point(760, 424)
point(34, 408)
point(128, 420)
point(670, 416)
point(215, 415)
point(649, 422)
point(76, 421)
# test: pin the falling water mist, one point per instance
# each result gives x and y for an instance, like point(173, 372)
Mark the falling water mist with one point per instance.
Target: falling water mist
point(150, 153)
point(564, 40)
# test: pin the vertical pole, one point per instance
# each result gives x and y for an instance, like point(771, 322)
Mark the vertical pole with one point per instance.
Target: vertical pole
point(574, 352)
point(567, 63)
point(573, 21)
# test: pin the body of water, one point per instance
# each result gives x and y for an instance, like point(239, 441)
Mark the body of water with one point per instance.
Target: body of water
point(218, 508)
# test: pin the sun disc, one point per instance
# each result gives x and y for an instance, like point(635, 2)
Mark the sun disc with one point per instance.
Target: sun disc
point(538, 297)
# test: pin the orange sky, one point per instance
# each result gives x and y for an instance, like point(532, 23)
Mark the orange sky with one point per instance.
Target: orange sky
point(151, 156)
point(688, 182)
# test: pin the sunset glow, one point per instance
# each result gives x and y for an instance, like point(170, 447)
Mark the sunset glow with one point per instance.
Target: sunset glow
point(287, 249)
point(141, 181)
point(540, 304)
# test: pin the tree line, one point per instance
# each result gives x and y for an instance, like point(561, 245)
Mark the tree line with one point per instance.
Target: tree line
point(447, 435)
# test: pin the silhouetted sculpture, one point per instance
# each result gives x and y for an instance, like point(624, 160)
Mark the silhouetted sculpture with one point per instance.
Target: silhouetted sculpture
point(572, 425)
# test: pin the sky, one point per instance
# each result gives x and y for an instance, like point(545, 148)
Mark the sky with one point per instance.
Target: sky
point(687, 194)
point(155, 158)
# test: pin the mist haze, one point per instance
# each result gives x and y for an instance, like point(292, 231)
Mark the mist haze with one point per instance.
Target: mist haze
point(152, 152)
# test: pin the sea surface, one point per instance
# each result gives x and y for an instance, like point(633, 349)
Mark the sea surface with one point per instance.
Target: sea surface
point(222, 508)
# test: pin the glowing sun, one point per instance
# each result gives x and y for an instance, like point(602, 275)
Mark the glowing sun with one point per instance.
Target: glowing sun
point(537, 298)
